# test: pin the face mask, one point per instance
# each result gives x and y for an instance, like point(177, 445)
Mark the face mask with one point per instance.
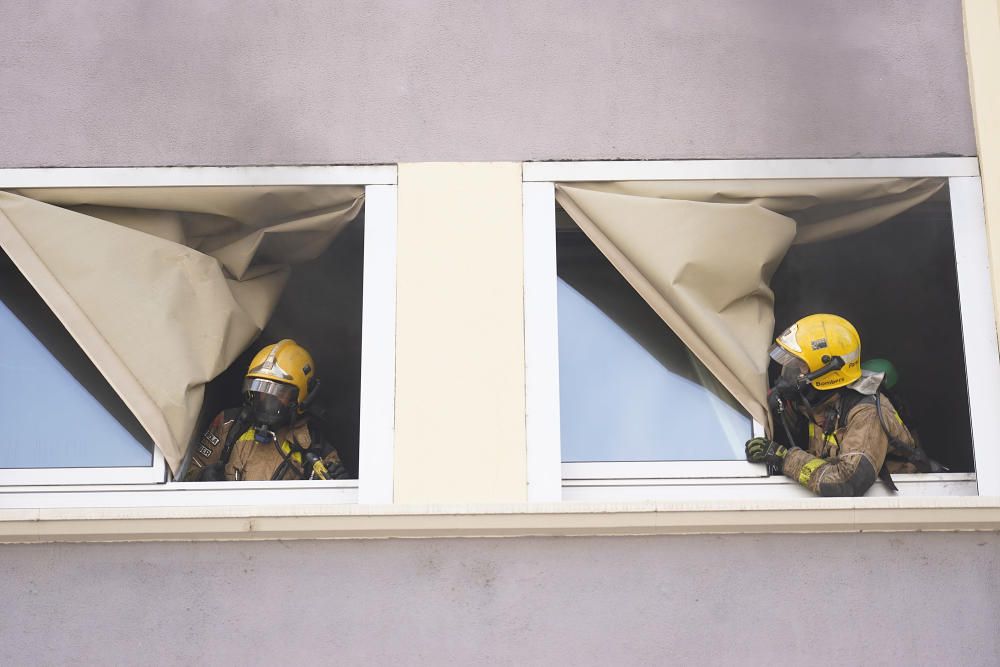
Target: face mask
point(271, 403)
point(813, 395)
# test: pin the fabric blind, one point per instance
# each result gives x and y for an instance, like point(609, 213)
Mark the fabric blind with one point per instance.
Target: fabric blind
point(702, 253)
point(164, 287)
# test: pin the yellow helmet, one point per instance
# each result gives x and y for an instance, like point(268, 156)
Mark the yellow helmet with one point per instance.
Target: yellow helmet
point(815, 340)
point(280, 379)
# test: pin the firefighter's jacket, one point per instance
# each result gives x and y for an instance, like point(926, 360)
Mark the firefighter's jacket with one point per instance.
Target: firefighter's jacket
point(845, 452)
point(255, 461)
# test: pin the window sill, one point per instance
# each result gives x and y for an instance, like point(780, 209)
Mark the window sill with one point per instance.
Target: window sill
point(624, 489)
point(294, 521)
point(181, 494)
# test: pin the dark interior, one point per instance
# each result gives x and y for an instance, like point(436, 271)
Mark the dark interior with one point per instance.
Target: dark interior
point(25, 303)
point(897, 284)
point(321, 310)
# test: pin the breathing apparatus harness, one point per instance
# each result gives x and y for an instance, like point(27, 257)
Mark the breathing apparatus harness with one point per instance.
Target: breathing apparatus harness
point(294, 456)
point(897, 448)
point(786, 391)
point(300, 459)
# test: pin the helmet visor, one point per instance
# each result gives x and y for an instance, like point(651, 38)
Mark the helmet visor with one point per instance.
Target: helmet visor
point(270, 402)
point(783, 356)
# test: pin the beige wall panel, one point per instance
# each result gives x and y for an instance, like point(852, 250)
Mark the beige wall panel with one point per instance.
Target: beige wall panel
point(982, 45)
point(460, 335)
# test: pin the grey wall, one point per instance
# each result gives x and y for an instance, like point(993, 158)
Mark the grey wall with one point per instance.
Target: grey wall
point(129, 82)
point(706, 600)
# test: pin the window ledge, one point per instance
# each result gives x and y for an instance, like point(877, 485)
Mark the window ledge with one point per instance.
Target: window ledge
point(292, 521)
point(775, 488)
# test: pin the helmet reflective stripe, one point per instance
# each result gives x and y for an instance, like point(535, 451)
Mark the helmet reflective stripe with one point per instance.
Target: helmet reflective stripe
point(851, 357)
point(789, 338)
point(270, 366)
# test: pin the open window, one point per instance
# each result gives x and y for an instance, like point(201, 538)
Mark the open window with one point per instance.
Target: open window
point(629, 389)
point(662, 292)
point(898, 280)
point(132, 311)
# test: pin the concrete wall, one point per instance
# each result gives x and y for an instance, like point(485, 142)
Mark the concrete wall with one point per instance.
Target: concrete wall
point(804, 599)
point(203, 82)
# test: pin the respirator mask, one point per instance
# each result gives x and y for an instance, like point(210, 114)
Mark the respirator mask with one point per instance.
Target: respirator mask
point(271, 403)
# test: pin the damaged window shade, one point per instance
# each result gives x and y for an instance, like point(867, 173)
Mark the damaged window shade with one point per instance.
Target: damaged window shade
point(896, 282)
point(168, 290)
point(630, 390)
point(706, 256)
point(57, 409)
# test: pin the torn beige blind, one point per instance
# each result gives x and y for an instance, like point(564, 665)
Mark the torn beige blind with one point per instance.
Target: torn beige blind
point(702, 253)
point(164, 287)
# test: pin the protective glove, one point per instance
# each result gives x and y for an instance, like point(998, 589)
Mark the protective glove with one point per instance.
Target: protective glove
point(338, 471)
point(762, 450)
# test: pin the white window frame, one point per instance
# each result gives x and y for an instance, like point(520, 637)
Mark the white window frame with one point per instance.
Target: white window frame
point(549, 479)
point(146, 486)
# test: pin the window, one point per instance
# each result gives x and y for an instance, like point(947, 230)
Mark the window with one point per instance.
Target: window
point(620, 408)
point(338, 301)
point(629, 390)
point(59, 412)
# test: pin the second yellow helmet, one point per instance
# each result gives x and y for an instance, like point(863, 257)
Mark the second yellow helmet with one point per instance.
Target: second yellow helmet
point(286, 362)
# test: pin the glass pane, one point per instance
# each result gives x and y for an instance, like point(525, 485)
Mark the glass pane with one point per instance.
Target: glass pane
point(52, 417)
point(629, 388)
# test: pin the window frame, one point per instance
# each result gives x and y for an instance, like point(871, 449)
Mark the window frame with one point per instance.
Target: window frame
point(131, 486)
point(549, 479)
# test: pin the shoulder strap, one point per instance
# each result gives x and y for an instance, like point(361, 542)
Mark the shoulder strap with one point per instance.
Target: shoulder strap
point(897, 448)
point(851, 400)
point(239, 425)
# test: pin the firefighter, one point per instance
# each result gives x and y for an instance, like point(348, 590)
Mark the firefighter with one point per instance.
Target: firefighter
point(272, 436)
point(852, 432)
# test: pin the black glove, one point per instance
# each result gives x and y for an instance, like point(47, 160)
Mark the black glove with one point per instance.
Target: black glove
point(338, 471)
point(762, 450)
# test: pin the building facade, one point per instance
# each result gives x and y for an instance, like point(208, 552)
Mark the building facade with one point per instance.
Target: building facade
point(460, 124)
